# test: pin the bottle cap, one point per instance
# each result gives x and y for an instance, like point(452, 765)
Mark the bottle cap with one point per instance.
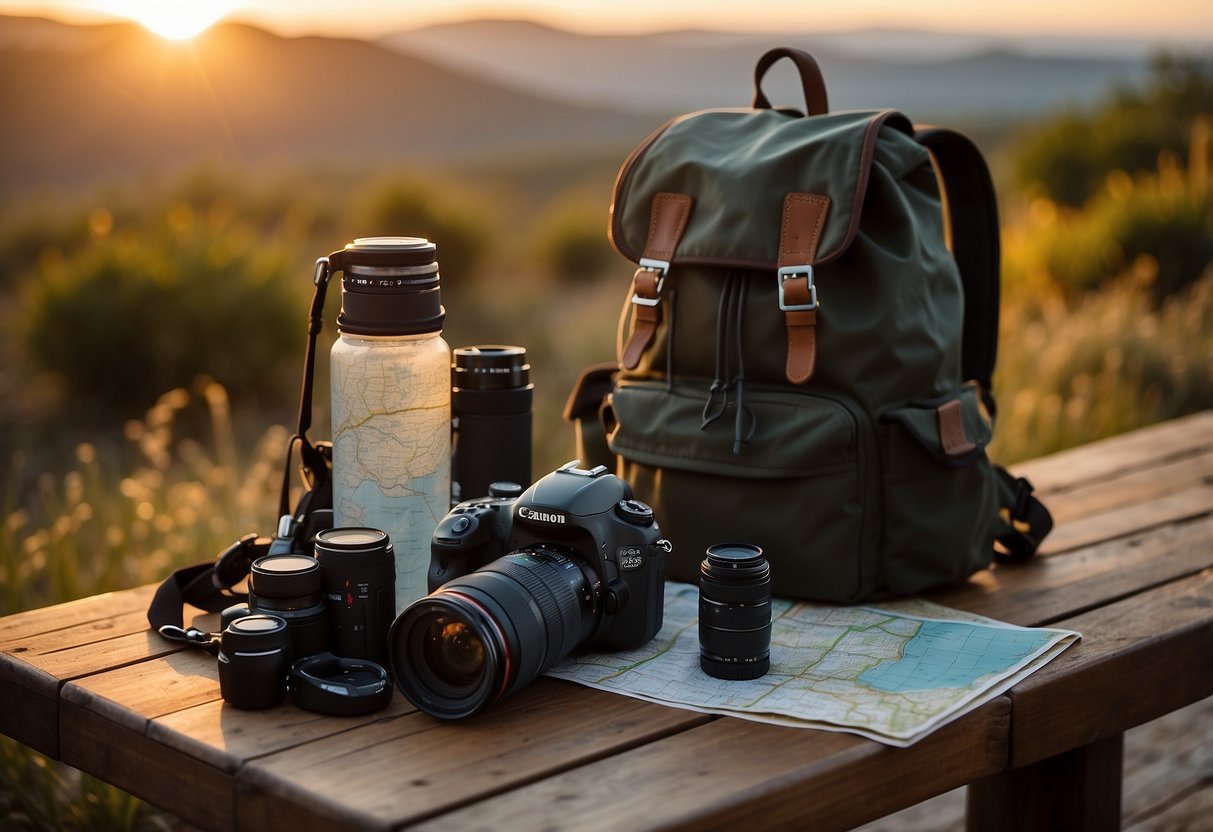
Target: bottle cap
point(389, 286)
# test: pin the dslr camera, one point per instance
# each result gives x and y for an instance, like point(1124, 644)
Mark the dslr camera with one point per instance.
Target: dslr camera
point(519, 582)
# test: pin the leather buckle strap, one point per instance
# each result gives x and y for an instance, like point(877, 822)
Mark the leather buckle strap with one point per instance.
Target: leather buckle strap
point(667, 221)
point(804, 217)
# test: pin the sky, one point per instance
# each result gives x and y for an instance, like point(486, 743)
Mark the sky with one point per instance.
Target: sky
point(1161, 20)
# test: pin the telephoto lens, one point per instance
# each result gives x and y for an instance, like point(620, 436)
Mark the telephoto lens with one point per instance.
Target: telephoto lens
point(254, 662)
point(735, 612)
point(491, 395)
point(288, 586)
point(358, 573)
point(483, 636)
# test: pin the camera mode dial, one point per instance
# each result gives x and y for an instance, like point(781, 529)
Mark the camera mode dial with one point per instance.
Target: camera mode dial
point(634, 512)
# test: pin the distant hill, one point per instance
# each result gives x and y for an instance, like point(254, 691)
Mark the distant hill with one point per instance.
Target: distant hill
point(928, 75)
point(87, 102)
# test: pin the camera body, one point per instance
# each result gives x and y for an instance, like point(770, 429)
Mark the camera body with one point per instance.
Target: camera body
point(588, 516)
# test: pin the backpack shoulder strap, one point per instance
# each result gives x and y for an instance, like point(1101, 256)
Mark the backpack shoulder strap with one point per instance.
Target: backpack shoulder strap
point(973, 217)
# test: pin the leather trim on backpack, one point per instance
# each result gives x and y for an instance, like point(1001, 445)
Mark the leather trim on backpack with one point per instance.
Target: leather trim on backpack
point(804, 217)
point(667, 222)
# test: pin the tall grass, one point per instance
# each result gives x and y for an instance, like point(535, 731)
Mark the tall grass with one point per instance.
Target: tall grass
point(109, 524)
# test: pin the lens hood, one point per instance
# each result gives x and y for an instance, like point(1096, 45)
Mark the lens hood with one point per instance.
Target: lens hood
point(334, 686)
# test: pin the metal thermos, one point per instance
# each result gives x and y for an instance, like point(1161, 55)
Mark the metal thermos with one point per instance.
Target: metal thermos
point(391, 400)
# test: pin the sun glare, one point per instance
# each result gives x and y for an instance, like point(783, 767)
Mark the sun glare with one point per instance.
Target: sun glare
point(173, 19)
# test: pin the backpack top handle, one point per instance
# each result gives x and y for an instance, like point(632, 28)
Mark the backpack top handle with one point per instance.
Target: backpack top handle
point(811, 82)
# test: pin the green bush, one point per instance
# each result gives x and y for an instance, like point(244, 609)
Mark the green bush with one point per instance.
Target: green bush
point(571, 238)
point(1067, 159)
point(136, 313)
point(1160, 224)
point(405, 206)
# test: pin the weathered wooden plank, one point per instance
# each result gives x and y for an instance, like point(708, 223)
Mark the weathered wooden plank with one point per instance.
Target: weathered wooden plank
point(15, 629)
point(1139, 659)
point(396, 772)
point(226, 738)
point(184, 762)
point(180, 783)
point(1196, 500)
point(1046, 590)
point(1144, 448)
point(148, 689)
point(1077, 789)
point(47, 647)
point(1131, 488)
point(26, 715)
point(733, 774)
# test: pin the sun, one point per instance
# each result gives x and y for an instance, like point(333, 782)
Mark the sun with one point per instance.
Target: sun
point(173, 19)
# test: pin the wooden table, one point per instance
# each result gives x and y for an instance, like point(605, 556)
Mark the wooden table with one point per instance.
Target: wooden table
point(1129, 566)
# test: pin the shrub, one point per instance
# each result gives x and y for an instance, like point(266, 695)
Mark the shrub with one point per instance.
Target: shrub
point(137, 313)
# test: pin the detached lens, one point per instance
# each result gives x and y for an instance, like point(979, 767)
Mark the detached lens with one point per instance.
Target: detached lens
point(735, 612)
point(483, 636)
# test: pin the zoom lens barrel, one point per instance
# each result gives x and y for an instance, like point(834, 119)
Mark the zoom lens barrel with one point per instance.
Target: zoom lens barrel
point(358, 573)
point(481, 637)
point(288, 586)
point(735, 612)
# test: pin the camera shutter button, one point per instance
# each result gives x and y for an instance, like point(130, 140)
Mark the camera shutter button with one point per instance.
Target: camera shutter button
point(634, 512)
point(461, 525)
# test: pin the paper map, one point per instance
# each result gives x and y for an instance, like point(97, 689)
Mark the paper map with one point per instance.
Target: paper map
point(892, 673)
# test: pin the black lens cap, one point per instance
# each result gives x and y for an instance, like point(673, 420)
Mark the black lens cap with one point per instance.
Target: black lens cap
point(334, 686)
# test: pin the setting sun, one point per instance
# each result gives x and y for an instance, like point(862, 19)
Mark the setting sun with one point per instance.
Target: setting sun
point(173, 20)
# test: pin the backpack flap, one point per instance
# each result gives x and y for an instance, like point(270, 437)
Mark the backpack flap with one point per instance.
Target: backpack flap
point(773, 191)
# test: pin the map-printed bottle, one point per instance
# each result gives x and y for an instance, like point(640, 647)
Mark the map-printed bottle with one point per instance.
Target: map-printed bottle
point(391, 400)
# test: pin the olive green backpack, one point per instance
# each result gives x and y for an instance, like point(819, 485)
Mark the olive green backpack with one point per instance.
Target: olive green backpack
point(810, 337)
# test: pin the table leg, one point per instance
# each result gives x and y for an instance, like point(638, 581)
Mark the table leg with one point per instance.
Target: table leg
point(1075, 790)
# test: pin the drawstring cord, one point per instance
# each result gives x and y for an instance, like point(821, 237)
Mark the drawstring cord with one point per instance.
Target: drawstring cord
point(730, 313)
point(718, 386)
point(739, 379)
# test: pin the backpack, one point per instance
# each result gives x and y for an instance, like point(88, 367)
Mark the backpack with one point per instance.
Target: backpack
point(811, 334)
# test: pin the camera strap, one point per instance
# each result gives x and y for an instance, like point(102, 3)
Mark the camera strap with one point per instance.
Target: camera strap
point(208, 585)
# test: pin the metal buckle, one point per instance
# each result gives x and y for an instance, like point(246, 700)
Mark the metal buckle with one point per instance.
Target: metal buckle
point(658, 266)
point(785, 274)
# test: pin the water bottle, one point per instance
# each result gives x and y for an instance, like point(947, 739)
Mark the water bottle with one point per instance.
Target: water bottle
point(391, 400)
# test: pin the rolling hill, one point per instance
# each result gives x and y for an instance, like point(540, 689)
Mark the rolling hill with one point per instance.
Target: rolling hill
point(929, 75)
point(85, 103)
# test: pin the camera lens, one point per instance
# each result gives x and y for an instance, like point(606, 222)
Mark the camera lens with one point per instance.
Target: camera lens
point(483, 636)
point(491, 394)
point(288, 586)
point(735, 612)
point(254, 660)
point(358, 573)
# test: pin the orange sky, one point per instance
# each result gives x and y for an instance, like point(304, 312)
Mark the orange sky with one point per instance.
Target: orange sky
point(1183, 20)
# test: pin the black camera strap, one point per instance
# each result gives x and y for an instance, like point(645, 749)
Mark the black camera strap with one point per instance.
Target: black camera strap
point(208, 585)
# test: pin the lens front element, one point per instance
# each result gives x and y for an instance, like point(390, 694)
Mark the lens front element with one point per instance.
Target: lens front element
point(454, 652)
point(483, 636)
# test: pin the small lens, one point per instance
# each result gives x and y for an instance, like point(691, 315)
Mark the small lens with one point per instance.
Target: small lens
point(288, 586)
point(735, 612)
